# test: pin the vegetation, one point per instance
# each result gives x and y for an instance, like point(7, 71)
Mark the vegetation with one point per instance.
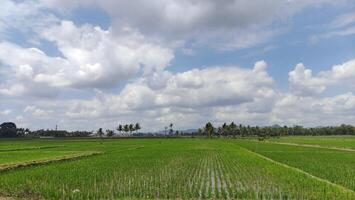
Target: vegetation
point(177, 168)
point(333, 165)
point(329, 141)
point(228, 130)
point(128, 128)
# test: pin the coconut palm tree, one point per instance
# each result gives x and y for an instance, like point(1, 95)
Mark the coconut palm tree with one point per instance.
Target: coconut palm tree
point(120, 128)
point(171, 131)
point(137, 127)
point(131, 128)
point(126, 128)
point(109, 133)
point(233, 128)
point(100, 132)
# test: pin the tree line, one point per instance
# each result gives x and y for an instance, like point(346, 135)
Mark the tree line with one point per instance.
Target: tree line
point(209, 130)
point(233, 130)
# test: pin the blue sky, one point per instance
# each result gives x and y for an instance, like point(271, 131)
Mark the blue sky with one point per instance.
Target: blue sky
point(91, 64)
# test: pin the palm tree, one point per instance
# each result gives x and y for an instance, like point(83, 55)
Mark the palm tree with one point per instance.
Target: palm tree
point(126, 128)
point(137, 127)
point(131, 128)
point(100, 132)
point(224, 129)
point(171, 131)
point(109, 133)
point(233, 128)
point(120, 128)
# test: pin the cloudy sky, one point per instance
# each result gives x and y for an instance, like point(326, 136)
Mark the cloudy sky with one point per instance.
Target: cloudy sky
point(87, 64)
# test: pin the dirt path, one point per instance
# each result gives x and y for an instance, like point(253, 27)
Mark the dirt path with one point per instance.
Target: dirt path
point(313, 146)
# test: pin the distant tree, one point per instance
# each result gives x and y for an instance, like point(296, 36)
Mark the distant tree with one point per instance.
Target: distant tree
point(225, 129)
point(209, 129)
point(109, 133)
point(137, 127)
point(100, 132)
point(131, 128)
point(126, 128)
point(120, 128)
point(171, 131)
point(276, 130)
point(233, 128)
point(200, 131)
point(27, 131)
point(219, 131)
point(165, 130)
point(8, 130)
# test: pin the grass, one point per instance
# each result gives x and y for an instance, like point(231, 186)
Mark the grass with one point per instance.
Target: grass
point(325, 141)
point(167, 168)
point(13, 157)
point(337, 166)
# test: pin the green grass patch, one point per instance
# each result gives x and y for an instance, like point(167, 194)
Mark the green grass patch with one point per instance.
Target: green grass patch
point(325, 141)
point(164, 168)
point(334, 165)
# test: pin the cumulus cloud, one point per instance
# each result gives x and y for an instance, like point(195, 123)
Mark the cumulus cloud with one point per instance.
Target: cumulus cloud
point(217, 94)
point(190, 93)
point(92, 57)
point(240, 23)
point(136, 51)
point(314, 111)
point(304, 83)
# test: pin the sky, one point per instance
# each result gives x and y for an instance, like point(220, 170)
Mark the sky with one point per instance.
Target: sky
point(89, 64)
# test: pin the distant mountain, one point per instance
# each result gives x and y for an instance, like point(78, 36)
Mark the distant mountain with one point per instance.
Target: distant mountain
point(162, 132)
point(191, 130)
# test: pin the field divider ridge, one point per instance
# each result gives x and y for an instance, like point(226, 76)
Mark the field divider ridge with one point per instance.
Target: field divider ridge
point(131, 148)
point(300, 171)
point(312, 146)
point(8, 167)
point(32, 148)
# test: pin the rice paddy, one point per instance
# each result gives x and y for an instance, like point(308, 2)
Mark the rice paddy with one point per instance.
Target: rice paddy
point(175, 169)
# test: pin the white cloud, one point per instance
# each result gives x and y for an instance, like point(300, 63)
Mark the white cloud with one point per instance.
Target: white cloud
point(334, 33)
point(241, 23)
point(194, 93)
point(341, 26)
point(304, 83)
point(314, 111)
point(217, 94)
point(23, 16)
point(92, 58)
point(137, 49)
point(343, 20)
point(33, 111)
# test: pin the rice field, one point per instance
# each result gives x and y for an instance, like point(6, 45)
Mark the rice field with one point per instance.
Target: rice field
point(175, 169)
point(336, 166)
point(324, 141)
